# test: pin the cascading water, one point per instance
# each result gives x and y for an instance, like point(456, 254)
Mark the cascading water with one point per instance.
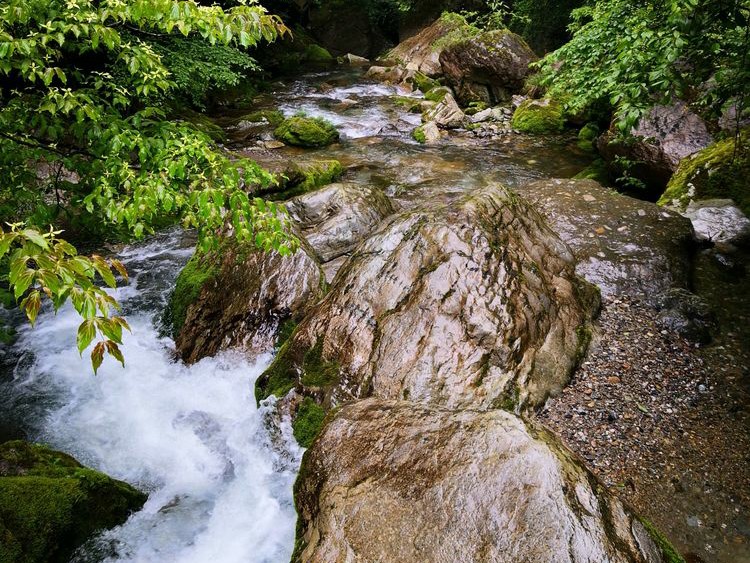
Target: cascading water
point(220, 481)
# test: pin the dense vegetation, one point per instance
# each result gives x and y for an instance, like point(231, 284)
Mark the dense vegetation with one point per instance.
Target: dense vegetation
point(86, 143)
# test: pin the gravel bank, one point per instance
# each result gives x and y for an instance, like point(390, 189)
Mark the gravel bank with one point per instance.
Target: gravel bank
point(668, 426)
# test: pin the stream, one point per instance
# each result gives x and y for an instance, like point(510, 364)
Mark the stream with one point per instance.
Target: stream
point(218, 471)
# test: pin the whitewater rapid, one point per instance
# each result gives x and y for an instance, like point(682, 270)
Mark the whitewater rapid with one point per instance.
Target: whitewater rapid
point(219, 478)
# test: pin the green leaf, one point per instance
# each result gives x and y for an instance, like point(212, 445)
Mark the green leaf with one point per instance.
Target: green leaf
point(86, 334)
point(36, 237)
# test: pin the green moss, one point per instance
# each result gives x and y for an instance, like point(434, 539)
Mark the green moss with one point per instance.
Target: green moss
point(308, 422)
point(587, 137)
point(307, 177)
point(475, 107)
point(318, 372)
point(718, 171)
point(50, 504)
point(419, 135)
point(597, 170)
point(279, 378)
point(272, 116)
point(286, 330)
point(436, 94)
point(317, 54)
point(410, 104)
point(669, 553)
point(6, 298)
point(199, 270)
point(424, 82)
point(309, 132)
point(538, 116)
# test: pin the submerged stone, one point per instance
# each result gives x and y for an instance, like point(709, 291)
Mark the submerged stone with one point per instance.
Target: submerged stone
point(50, 504)
point(397, 481)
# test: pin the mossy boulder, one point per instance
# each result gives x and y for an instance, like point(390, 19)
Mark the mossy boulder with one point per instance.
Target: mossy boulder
point(205, 125)
point(597, 171)
point(317, 54)
point(199, 270)
point(271, 116)
point(311, 132)
point(489, 67)
point(239, 296)
point(587, 137)
point(50, 504)
point(302, 177)
point(539, 116)
point(718, 171)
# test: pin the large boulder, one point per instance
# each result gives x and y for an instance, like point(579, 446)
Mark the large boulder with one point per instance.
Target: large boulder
point(624, 245)
point(336, 218)
point(489, 67)
point(662, 138)
point(538, 116)
point(721, 170)
point(419, 52)
point(400, 482)
point(50, 504)
point(470, 304)
point(239, 297)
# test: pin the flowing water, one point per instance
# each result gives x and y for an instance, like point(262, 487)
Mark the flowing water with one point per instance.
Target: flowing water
point(219, 478)
point(218, 471)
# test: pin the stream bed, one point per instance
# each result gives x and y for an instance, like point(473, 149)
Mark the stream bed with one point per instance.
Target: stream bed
point(218, 471)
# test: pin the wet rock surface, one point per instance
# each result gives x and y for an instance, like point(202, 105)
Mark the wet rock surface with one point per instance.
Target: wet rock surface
point(395, 481)
point(719, 221)
point(472, 304)
point(623, 245)
point(334, 219)
point(245, 303)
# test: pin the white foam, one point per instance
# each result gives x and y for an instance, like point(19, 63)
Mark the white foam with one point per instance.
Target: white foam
point(192, 435)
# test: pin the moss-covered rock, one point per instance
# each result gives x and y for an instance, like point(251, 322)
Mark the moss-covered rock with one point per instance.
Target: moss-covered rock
point(419, 135)
point(311, 132)
point(587, 137)
point(597, 170)
point(271, 116)
point(718, 171)
point(317, 54)
point(539, 116)
point(50, 504)
point(668, 552)
point(199, 270)
point(300, 178)
point(308, 422)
